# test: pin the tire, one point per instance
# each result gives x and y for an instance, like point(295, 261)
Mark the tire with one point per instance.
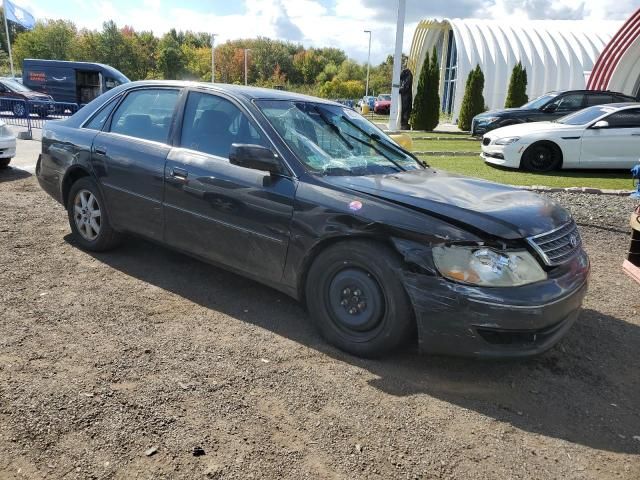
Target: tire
point(356, 299)
point(541, 157)
point(91, 231)
point(4, 163)
point(19, 110)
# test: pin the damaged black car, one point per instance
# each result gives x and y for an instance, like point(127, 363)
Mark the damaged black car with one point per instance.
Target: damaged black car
point(307, 196)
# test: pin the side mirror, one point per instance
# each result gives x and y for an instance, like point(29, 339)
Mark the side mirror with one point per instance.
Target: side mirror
point(600, 124)
point(550, 108)
point(255, 157)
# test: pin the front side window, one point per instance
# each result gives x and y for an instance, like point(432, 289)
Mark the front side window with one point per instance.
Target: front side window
point(333, 140)
point(569, 102)
point(585, 116)
point(212, 123)
point(624, 119)
point(539, 102)
point(146, 114)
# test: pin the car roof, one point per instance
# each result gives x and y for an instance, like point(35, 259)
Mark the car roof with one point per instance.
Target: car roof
point(247, 92)
point(620, 106)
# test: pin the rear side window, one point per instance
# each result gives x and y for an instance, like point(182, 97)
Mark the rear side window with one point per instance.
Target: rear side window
point(211, 124)
point(98, 120)
point(146, 114)
point(624, 119)
point(598, 99)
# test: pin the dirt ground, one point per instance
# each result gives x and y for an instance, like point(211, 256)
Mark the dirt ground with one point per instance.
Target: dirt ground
point(119, 365)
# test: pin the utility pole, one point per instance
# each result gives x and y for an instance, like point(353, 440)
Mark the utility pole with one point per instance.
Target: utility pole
point(213, 57)
point(397, 64)
point(366, 92)
point(245, 65)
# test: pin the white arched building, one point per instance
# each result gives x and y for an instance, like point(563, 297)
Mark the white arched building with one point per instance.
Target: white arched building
point(556, 54)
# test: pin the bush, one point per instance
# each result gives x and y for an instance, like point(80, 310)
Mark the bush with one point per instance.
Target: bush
point(473, 101)
point(426, 106)
point(517, 93)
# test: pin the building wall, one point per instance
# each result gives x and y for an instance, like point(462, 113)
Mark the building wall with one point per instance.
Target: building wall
point(556, 54)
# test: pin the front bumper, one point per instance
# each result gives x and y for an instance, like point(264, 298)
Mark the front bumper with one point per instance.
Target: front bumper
point(503, 155)
point(457, 319)
point(7, 147)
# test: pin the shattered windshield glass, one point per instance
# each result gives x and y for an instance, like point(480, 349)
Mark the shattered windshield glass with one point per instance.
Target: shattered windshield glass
point(333, 140)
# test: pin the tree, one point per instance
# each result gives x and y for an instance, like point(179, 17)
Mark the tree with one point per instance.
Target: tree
point(337, 88)
point(426, 105)
point(171, 59)
point(52, 39)
point(473, 101)
point(517, 92)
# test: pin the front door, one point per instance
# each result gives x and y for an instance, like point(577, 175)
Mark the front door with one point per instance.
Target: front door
point(129, 156)
point(232, 215)
point(616, 146)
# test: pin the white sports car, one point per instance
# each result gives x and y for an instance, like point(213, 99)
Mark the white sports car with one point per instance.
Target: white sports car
point(604, 136)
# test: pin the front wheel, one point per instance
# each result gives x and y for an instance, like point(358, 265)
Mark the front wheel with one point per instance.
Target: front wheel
point(88, 218)
point(4, 163)
point(19, 110)
point(356, 299)
point(541, 157)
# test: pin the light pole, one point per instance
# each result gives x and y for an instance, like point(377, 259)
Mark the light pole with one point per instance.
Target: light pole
point(245, 65)
point(366, 92)
point(397, 63)
point(213, 57)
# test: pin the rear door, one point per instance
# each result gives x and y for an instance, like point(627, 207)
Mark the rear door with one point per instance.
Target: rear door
point(617, 146)
point(232, 215)
point(128, 157)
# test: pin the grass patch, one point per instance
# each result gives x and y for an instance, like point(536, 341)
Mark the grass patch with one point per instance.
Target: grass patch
point(475, 167)
point(452, 145)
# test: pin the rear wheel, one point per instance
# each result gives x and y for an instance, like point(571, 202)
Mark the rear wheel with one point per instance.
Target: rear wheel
point(541, 157)
point(88, 218)
point(356, 299)
point(4, 162)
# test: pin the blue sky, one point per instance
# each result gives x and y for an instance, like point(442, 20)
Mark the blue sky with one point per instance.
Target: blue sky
point(338, 23)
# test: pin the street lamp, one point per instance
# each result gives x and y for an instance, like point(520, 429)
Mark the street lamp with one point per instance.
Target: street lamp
point(245, 64)
point(368, 63)
point(213, 57)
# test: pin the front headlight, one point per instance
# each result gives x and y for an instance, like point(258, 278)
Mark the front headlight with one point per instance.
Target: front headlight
point(506, 140)
point(487, 267)
point(485, 120)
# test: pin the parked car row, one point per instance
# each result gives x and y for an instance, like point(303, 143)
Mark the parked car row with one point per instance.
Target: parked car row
point(572, 129)
point(309, 197)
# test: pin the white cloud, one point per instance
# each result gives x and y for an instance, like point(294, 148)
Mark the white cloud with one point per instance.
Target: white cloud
point(311, 23)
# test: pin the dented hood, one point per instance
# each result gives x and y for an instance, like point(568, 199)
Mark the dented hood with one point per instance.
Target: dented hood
point(498, 210)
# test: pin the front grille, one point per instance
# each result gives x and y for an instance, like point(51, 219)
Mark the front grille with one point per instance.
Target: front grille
point(559, 245)
point(486, 141)
point(499, 156)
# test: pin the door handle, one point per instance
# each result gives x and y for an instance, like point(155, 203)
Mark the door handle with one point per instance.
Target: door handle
point(101, 150)
point(178, 174)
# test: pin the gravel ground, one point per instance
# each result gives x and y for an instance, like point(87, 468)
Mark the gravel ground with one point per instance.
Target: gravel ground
point(144, 363)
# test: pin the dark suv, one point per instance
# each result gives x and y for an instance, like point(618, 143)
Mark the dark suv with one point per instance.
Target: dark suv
point(549, 106)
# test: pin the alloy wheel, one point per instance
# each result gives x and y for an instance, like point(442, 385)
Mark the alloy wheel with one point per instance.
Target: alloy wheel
point(87, 215)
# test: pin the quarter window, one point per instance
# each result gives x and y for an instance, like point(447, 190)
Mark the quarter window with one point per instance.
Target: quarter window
point(97, 122)
point(146, 114)
point(211, 124)
point(624, 119)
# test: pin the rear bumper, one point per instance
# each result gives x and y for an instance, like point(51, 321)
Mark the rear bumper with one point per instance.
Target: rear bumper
point(456, 319)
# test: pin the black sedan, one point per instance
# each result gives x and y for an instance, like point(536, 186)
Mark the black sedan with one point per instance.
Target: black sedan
point(550, 106)
point(307, 196)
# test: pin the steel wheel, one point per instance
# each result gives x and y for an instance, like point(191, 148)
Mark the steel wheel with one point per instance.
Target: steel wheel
point(87, 215)
point(355, 302)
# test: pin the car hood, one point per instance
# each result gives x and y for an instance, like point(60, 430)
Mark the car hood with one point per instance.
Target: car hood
point(476, 205)
point(521, 129)
point(36, 96)
point(383, 102)
point(510, 112)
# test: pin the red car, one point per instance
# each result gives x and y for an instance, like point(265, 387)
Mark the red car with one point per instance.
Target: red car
point(382, 104)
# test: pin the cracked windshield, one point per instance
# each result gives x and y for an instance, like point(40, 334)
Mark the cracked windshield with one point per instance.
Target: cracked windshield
point(333, 140)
